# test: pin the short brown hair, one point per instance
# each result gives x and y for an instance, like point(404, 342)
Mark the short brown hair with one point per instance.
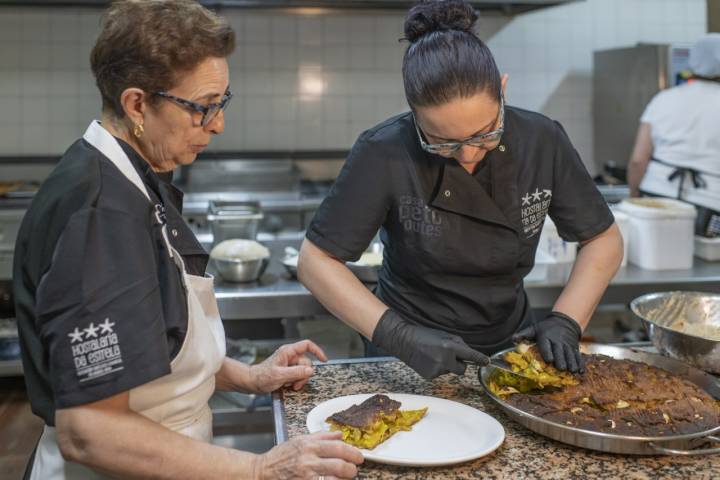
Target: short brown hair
point(148, 43)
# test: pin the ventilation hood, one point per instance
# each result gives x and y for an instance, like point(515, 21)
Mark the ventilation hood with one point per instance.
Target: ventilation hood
point(504, 6)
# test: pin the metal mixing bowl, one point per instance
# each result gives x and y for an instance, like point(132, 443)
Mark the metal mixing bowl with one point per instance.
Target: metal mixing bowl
point(660, 311)
point(240, 270)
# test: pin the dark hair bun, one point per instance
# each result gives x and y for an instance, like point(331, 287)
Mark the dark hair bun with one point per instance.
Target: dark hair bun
point(438, 15)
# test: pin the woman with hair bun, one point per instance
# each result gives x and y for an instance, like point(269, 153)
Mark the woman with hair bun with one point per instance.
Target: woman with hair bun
point(459, 187)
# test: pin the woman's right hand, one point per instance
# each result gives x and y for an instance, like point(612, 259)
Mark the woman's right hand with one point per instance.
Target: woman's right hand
point(320, 455)
point(428, 351)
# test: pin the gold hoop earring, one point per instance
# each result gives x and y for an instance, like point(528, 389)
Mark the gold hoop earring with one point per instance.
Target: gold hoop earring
point(138, 130)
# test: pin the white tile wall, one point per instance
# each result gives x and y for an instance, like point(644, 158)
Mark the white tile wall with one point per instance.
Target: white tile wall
point(317, 81)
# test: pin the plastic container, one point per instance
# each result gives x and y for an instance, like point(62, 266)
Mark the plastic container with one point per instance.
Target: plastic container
point(552, 244)
point(540, 270)
point(707, 248)
point(623, 223)
point(661, 233)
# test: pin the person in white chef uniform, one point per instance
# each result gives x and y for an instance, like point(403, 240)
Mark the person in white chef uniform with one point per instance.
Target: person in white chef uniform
point(677, 149)
point(121, 337)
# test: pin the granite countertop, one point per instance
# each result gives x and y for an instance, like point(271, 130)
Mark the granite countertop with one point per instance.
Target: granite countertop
point(523, 455)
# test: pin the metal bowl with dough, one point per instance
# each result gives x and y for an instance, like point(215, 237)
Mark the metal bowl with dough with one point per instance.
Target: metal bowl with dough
point(683, 325)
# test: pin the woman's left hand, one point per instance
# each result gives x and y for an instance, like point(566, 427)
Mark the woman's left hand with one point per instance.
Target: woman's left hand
point(288, 366)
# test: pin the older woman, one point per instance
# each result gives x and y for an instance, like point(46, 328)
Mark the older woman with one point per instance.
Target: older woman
point(122, 342)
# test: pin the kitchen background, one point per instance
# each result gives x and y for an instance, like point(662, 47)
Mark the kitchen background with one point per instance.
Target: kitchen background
point(307, 82)
point(314, 81)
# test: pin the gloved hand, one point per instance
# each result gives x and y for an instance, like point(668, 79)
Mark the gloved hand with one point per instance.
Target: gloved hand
point(558, 339)
point(428, 351)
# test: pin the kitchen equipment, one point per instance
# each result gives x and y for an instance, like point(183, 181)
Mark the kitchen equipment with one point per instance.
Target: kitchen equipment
point(614, 193)
point(10, 220)
point(661, 233)
point(18, 189)
point(707, 223)
point(365, 272)
point(506, 7)
point(290, 261)
point(9, 341)
point(240, 271)
point(624, 82)
point(707, 248)
point(623, 222)
point(553, 244)
point(623, 444)
point(660, 311)
point(7, 299)
point(368, 272)
point(450, 432)
point(234, 220)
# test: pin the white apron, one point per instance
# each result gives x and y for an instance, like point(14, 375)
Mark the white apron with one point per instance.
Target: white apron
point(665, 180)
point(179, 400)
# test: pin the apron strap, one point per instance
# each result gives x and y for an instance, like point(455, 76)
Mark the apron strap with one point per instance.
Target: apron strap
point(682, 172)
point(102, 140)
point(31, 461)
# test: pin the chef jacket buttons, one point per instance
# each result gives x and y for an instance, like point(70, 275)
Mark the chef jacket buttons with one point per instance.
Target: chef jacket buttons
point(174, 232)
point(447, 193)
point(501, 148)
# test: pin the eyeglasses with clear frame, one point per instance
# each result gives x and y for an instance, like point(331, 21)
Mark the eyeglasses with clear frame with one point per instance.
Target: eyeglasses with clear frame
point(479, 141)
point(208, 112)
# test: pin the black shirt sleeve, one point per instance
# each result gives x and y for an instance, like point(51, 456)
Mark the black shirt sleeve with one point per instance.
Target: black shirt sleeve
point(99, 309)
point(578, 209)
point(357, 203)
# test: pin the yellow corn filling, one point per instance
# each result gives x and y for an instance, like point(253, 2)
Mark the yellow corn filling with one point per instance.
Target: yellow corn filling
point(525, 361)
point(381, 430)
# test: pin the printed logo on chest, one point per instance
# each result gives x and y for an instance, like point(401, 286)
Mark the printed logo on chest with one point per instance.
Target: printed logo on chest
point(534, 208)
point(415, 216)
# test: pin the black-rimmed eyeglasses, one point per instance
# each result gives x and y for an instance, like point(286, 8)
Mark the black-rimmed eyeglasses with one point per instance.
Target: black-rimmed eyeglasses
point(208, 112)
point(480, 141)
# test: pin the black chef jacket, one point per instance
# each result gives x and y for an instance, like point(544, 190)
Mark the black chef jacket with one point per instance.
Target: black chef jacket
point(100, 304)
point(457, 246)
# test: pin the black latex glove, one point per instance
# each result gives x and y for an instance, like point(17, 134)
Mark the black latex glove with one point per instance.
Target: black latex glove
point(558, 339)
point(428, 351)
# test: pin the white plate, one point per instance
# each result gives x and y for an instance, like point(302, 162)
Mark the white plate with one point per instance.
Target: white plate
point(449, 433)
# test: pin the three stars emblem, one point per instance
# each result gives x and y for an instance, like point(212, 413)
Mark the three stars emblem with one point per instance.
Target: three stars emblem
point(536, 196)
point(91, 331)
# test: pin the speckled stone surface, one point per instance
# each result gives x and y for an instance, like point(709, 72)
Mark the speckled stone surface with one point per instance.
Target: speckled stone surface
point(524, 455)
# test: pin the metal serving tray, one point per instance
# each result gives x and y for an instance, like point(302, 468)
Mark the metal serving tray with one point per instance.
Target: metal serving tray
point(624, 444)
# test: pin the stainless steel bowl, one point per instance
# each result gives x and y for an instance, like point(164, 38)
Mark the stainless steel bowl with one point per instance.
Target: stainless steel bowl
point(240, 270)
point(367, 273)
point(659, 312)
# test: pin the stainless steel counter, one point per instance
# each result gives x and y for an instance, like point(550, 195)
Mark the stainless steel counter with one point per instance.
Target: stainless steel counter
point(278, 295)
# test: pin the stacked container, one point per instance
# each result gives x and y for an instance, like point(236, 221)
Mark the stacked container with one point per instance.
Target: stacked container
point(661, 233)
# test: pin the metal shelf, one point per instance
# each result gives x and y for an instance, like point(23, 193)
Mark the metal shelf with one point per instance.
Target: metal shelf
point(11, 368)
